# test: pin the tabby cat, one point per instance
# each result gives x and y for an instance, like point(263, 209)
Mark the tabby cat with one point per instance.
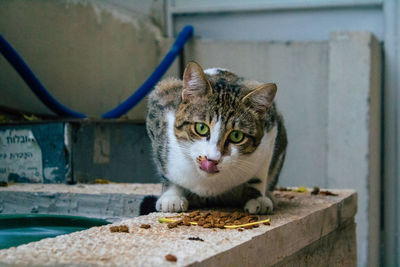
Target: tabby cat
point(218, 140)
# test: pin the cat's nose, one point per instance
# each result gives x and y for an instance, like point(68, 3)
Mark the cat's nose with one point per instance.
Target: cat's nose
point(213, 155)
point(208, 165)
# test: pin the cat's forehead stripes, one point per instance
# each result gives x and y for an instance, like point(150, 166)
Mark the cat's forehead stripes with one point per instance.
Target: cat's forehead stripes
point(223, 110)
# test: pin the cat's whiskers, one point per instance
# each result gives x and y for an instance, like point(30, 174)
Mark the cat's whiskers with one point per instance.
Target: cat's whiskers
point(245, 162)
point(184, 149)
point(242, 169)
point(247, 166)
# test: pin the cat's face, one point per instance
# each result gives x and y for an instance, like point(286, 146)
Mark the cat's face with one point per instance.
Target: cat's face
point(220, 122)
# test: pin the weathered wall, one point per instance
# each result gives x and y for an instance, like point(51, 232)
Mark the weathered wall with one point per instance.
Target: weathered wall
point(329, 95)
point(91, 55)
point(300, 71)
point(96, 54)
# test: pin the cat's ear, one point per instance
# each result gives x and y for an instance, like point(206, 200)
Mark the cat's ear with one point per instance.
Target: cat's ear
point(262, 97)
point(195, 82)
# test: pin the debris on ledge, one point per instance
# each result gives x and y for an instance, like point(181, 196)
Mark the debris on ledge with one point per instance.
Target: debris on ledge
point(305, 229)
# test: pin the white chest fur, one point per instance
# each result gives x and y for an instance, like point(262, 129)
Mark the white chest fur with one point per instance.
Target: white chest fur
point(235, 169)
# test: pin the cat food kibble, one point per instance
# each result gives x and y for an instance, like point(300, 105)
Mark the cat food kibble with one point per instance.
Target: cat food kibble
point(315, 190)
point(173, 224)
point(196, 239)
point(328, 193)
point(145, 226)
point(119, 229)
point(216, 219)
point(170, 257)
point(114, 229)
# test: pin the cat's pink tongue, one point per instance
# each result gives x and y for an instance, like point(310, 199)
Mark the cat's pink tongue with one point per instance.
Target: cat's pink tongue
point(208, 166)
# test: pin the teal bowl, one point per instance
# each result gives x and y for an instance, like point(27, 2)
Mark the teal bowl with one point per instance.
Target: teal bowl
point(18, 229)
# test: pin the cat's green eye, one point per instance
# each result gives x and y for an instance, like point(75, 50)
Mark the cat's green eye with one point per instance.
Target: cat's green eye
point(201, 129)
point(236, 136)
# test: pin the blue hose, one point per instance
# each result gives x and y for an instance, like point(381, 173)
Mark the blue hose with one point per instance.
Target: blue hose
point(36, 86)
point(40, 91)
point(146, 87)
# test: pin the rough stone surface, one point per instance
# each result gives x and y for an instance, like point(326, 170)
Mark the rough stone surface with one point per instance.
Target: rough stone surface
point(106, 201)
point(300, 220)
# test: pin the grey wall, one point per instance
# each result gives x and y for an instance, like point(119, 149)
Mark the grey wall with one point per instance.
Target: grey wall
point(282, 25)
point(301, 73)
point(91, 55)
point(296, 20)
point(96, 53)
point(329, 95)
point(116, 151)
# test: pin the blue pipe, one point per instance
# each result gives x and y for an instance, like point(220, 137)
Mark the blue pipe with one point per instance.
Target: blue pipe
point(40, 91)
point(36, 86)
point(146, 87)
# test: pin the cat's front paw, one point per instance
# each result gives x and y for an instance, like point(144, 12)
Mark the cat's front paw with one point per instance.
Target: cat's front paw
point(172, 204)
point(260, 205)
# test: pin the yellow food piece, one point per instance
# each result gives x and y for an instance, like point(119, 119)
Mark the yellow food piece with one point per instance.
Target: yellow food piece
point(247, 224)
point(101, 181)
point(300, 189)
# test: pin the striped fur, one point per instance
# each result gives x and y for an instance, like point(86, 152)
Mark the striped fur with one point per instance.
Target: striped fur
point(248, 170)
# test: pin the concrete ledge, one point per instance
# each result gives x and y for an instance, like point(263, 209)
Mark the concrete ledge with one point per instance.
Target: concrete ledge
point(106, 201)
point(305, 229)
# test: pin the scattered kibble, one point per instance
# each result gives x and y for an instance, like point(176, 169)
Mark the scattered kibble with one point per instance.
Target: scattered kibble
point(114, 229)
point(215, 219)
point(283, 189)
point(196, 239)
point(172, 224)
point(119, 229)
point(315, 190)
point(328, 193)
point(145, 226)
point(170, 257)
point(299, 189)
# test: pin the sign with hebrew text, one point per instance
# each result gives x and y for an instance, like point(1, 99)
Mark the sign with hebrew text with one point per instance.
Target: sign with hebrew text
point(20, 156)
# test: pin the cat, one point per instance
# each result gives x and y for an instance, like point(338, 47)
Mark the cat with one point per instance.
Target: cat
point(217, 139)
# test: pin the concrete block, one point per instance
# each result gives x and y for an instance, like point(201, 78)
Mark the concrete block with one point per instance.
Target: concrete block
point(332, 249)
point(110, 201)
point(354, 131)
point(305, 230)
